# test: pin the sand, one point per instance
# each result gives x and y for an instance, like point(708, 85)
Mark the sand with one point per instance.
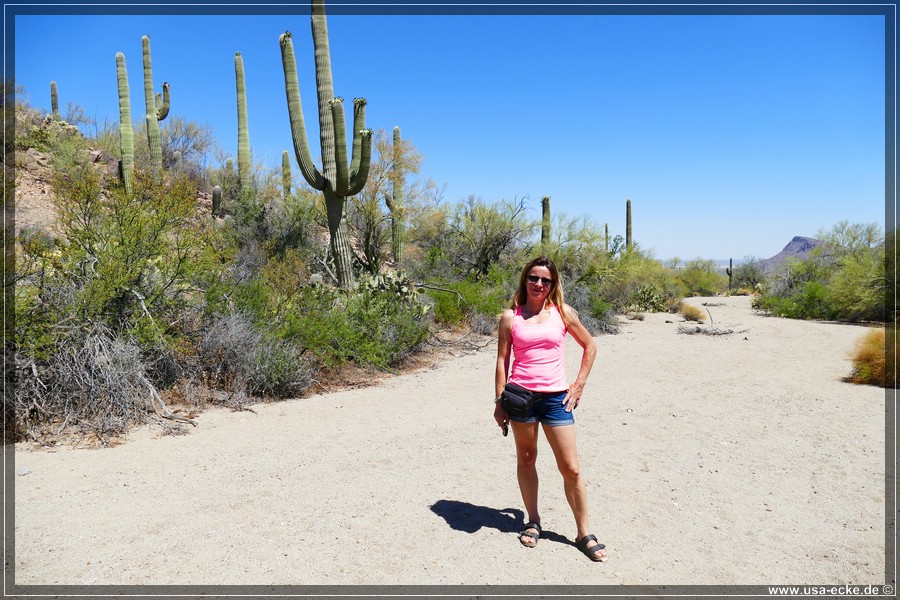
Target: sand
point(709, 460)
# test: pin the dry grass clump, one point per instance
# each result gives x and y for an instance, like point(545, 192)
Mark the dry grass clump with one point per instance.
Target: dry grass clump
point(874, 360)
point(692, 313)
point(743, 292)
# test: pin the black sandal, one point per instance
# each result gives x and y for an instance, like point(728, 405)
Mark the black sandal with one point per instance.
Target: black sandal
point(591, 551)
point(525, 533)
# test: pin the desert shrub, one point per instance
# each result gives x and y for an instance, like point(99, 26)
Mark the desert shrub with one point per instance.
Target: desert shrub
point(481, 235)
point(470, 300)
point(844, 278)
point(747, 275)
point(596, 314)
point(692, 313)
point(700, 278)
point(633, 270)
point(874, 360)
point(238, 355)
point(378, 324)
point(95, 381)
point(647, 298)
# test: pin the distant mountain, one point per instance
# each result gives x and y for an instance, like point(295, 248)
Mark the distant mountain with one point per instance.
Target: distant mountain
point(798, 247)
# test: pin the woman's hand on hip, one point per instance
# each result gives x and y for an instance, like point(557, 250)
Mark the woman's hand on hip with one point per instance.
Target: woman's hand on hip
point(573, 397)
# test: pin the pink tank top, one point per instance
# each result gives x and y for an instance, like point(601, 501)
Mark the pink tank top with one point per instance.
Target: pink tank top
point(538, 351)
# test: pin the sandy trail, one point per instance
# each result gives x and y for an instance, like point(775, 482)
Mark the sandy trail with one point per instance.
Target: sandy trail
point(733, 459)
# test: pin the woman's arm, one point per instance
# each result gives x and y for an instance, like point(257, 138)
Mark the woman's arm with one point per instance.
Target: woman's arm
point(501, 373)
point(584, 339)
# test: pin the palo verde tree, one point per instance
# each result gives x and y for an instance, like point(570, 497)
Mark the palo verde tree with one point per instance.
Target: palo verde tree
point(339, 178)
point(379, 233)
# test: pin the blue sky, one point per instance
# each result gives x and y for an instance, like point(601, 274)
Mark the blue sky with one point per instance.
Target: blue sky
point(730, 133)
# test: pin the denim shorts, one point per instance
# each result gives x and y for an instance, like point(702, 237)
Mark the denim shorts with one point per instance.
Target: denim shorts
point(549, 410)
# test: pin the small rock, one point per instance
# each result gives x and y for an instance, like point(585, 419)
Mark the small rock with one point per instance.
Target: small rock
point(23, 470)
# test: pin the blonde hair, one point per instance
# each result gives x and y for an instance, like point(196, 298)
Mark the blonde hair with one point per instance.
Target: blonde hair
point(555, 296)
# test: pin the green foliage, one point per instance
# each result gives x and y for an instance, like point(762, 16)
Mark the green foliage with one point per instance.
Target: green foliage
point(748, 275)
point(482, 235)
point(700, 278)
point(843, 279)
point(647, 298)
point(377, 325)
point(473, 301)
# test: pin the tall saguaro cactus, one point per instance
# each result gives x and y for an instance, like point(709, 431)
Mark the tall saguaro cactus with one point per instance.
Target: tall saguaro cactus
point(126, 133)
point(395, 199)
point(338, 179)
point(243, 130)
point(606, 238)
point(729, 271)
point(545, 220)
point(157, 109)
point(628, 224)
point(54, 99)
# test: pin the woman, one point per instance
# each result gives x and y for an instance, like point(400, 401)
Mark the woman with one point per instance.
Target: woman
point(534, 330)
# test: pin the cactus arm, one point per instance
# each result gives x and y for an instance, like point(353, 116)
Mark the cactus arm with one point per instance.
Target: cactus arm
point(162, 110)
point(341, 181)
point(359, 176)
point(126, 133)
point(359, 166)
point(295, 109)
point(243, 130)
point(324, 88)
point(359, 123)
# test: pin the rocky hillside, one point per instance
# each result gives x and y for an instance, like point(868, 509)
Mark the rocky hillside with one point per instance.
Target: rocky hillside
point(799, 247)
point(34, 199)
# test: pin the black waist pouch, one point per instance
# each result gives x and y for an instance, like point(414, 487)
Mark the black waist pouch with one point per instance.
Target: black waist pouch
point(517, 401)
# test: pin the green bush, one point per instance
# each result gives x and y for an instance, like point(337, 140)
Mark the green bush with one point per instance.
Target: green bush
point(700, 278)
point(477, 302)
point(842, 279)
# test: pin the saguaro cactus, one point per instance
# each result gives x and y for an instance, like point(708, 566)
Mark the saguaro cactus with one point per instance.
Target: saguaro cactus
point(606, 239)
point(286, 173)
point(54, 99)
point(729, 271)
point(545, 220)
point(628, 224)
point(338, 178)
point(126, 133)
point(217, 209)
point(394, 200)
point(243, 130)
point(157, 109)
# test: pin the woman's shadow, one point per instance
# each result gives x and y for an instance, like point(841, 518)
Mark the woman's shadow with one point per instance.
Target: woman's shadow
point(463, 516)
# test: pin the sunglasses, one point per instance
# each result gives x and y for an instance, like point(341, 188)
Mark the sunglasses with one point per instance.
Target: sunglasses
point(535, 279)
